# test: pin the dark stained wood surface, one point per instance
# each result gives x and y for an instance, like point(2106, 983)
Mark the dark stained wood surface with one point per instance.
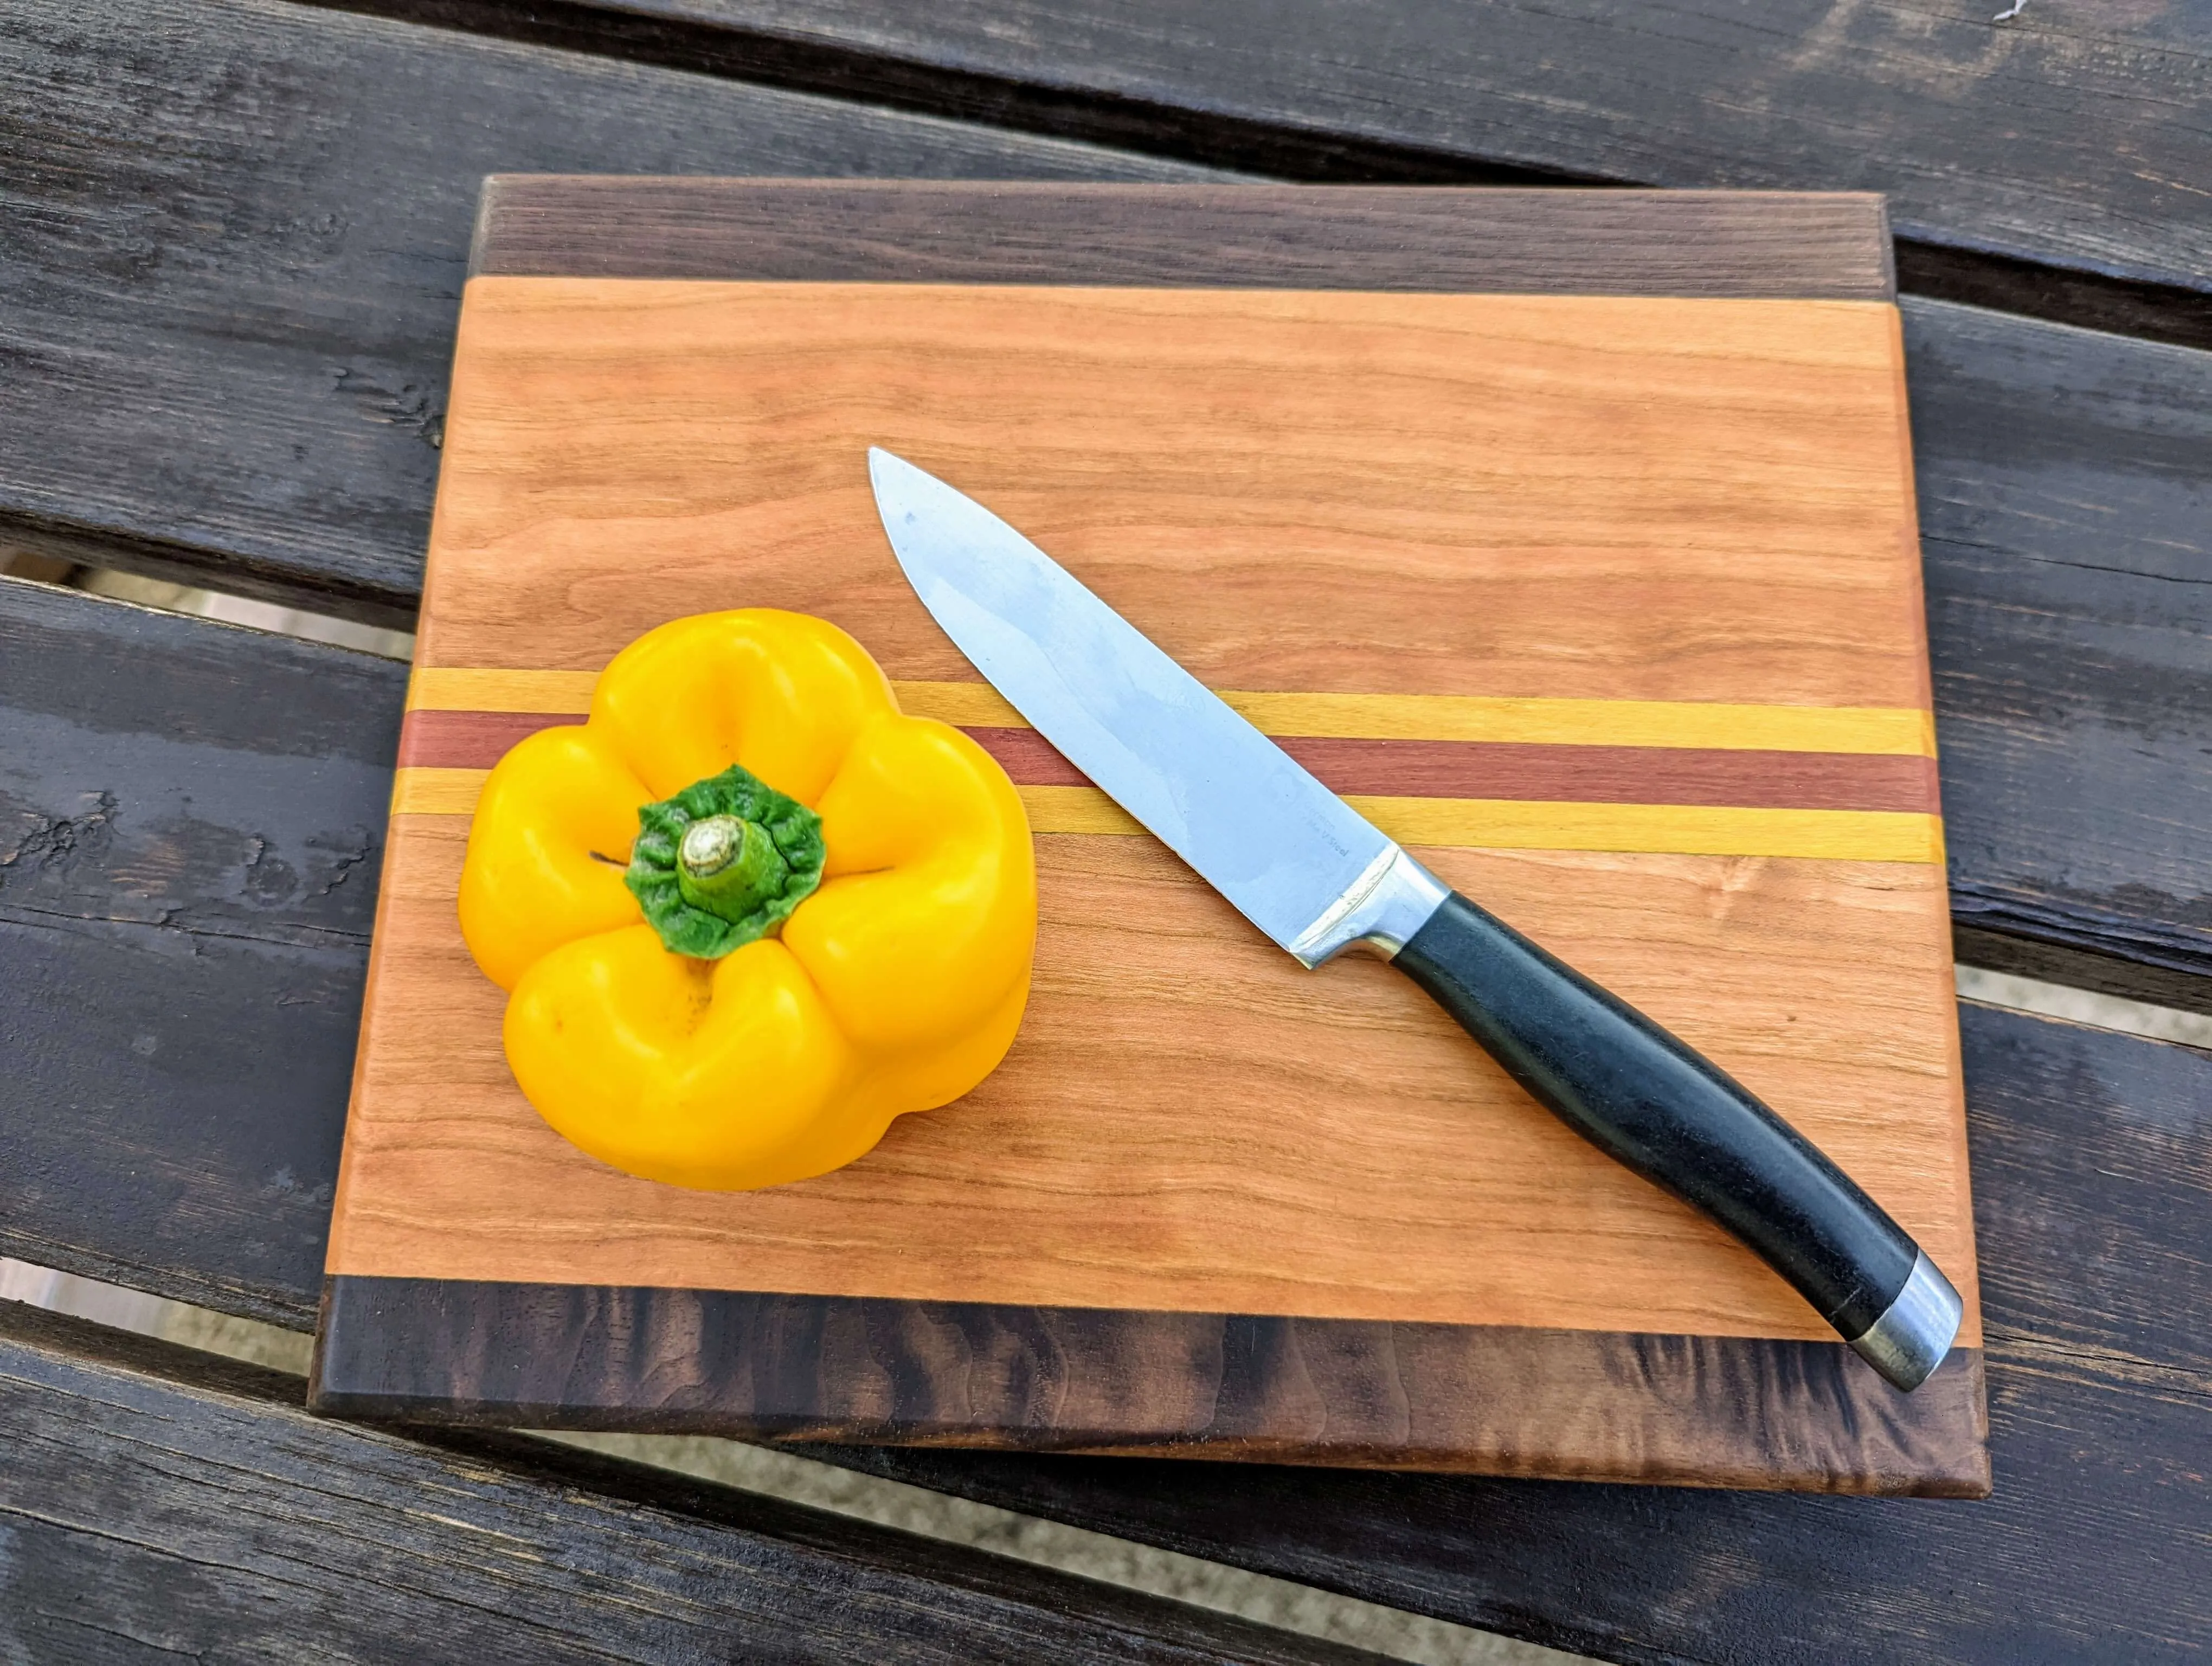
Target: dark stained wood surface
point(2058, 138)
point(2065, 486)
point(159, 1502)
point(303, 436)
point(232, 271)
point(1697, 1410)
point(1242, 236)
point(192, 824)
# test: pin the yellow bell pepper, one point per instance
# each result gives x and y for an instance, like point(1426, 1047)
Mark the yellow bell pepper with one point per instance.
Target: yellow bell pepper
point(749, 911)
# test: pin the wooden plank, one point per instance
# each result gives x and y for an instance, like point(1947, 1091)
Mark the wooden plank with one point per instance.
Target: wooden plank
point(2065, 488)
point(239, 235)
point(1832, 248)
point(2053, 137)
point(2093, 1175)
point(304, 432)
point(192, 824)
point(159, 1500)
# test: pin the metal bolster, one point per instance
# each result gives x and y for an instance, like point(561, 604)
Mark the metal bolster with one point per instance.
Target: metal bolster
point(1380, 911)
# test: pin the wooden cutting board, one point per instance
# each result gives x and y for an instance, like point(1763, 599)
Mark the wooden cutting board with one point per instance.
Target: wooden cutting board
point(1569, 534)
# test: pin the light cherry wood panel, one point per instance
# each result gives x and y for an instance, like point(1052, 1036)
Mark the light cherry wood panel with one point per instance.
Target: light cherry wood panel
point(1190, 1122)
point(1569, 496)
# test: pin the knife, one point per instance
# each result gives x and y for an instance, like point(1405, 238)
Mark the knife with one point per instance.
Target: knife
point(1318, 878)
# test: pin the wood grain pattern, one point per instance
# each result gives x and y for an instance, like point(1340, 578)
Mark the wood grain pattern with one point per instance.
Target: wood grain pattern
point(1503, 823)
point(161, 1502)
point(1593, 1406)
point(1700, 725)
point(1602, 775)
point(2073, 621)
point(1394, 457)
point(191, 820)
point(1775, 246)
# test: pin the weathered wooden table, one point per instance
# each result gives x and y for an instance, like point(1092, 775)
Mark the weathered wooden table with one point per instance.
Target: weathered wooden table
point(231, 244)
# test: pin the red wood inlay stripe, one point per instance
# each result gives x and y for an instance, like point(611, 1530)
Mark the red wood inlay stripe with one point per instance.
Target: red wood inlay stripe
point(467, 740)
point(1578, 775)
point(1403, 768)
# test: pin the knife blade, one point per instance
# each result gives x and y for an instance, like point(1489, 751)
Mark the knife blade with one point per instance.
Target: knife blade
point(1318, 878)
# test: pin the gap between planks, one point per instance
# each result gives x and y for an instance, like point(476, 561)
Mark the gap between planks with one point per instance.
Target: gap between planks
point(2086, 1007)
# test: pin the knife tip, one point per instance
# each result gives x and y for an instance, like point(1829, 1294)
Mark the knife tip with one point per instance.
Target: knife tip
point(892, 479)
point(895, 482)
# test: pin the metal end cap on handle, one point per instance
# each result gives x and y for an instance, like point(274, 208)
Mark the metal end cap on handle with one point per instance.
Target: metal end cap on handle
point(1915, 1331)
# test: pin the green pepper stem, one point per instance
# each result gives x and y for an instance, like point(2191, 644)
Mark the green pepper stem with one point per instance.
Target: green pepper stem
point(729, 867)
point(723, 863)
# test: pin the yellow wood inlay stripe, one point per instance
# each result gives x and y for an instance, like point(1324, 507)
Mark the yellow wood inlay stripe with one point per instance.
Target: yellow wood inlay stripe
point(1837, 836)
point(1076, 809)
point(458, 689)
point(1850, 835)
point(963, 705)
point(1713, 726)
point(1843, 836)
point(1702, 725)
point(436, 792)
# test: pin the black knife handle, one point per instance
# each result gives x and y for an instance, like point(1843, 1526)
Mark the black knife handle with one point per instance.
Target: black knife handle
point(1646, 1098)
